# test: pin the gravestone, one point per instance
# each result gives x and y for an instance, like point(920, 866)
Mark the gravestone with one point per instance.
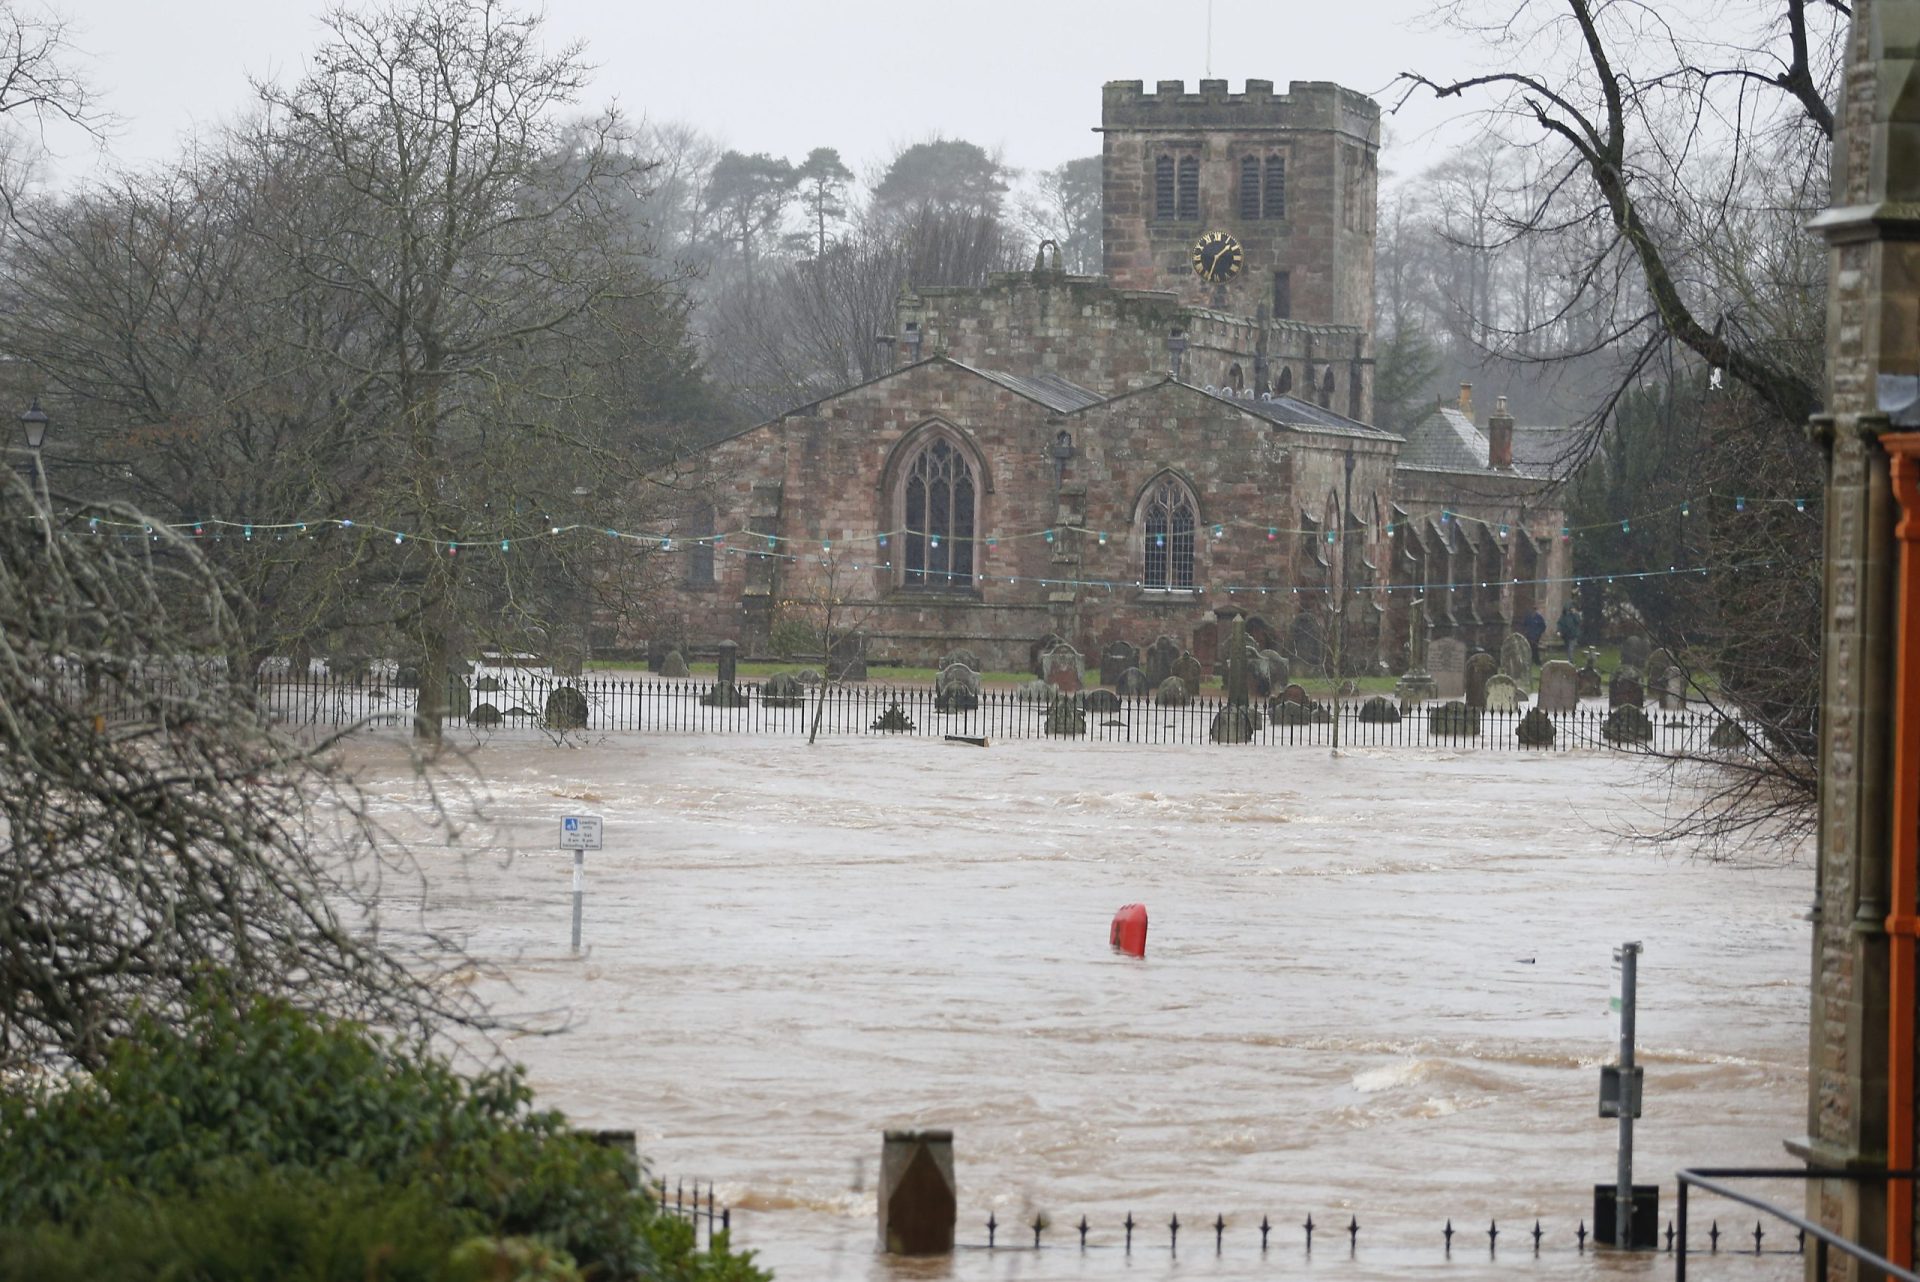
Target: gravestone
point(1654, 670)
point(1453, 720)
point(783, 690)
point(1588, 678)
point(847, 657)
point(1036, 691)
point(1447, 662)
point(1161, 656)
point(1134, 682)
point(1234, 723)
point(1288, 712)
point(1480, 667)
point(1625, 690)
point(1516, 661)
point(1188, 669)
point(1536, 728)
point(1064, 717)
point(894, 720)
point(1728, 734)
point(1634, 651)
point(674, 667)
point(1417, 684)
point(1116, 659)
point(1627, 723)
point(962, 655)
point(1060, 667)
point(958, 689)
point(729, 663)
point(917, 1203)
point(566, 709)
point(1295, 694)
point(1038, 650)
point(1205, 646)
point(1501, 694)
point(1172, 693)
point(1559, 686)
point(1673, 690)
point(1101, 701)
point(1259, 673)
point(1278, 673)
point(1379, 711)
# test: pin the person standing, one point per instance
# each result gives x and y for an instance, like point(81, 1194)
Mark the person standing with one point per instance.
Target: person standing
point(1534, 627)
point(1569, 628)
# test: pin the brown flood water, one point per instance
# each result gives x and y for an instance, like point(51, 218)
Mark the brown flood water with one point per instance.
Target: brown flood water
point(1375, 988)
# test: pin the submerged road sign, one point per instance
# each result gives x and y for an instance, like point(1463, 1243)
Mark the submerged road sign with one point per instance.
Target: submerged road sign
point(580, 832)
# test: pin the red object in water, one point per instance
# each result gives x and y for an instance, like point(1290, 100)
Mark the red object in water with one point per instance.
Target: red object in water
point(1129, 933)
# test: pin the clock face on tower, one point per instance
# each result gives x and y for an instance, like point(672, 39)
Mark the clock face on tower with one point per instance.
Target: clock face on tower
point(1217, 257)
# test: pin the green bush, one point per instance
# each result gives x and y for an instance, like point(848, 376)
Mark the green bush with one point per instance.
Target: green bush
point(181, 1105)
point(790, 636)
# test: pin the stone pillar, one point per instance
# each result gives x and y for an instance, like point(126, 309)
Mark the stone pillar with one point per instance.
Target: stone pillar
point(729, 663)
point(918, 1203)
point(1237, 675)
point(1873, 234)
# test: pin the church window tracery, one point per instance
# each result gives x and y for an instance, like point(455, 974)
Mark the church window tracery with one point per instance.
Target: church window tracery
point(938, 510)
point(1168, 535)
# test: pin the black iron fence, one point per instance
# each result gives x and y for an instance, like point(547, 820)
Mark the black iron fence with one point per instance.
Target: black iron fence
point(594, 704)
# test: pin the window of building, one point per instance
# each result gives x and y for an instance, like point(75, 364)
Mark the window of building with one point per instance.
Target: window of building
point(1283, 295)
point(938, 501)
point(1326, 389)
point(1168, 562)
point(1189, 187)
point(1286, 380)
point(1235, 378)
point(699, 533)
point(1249, 187)
point(1163, 187)
point(1275, 204)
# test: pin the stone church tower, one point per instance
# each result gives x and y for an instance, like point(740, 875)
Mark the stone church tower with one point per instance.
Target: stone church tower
point(1293, 177)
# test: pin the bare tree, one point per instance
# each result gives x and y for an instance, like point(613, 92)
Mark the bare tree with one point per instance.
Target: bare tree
point(157, 836)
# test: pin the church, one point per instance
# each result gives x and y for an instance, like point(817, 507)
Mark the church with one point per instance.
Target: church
point(1179, 441)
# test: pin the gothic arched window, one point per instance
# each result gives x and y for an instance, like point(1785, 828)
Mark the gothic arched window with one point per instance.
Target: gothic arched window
point(1168, 536)
point(937, 498)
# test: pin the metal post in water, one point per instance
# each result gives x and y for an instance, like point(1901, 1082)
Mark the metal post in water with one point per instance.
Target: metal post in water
point(579, 892)
point(1629, 955)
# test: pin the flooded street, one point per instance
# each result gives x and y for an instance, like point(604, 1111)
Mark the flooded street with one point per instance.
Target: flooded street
point(1375, 988)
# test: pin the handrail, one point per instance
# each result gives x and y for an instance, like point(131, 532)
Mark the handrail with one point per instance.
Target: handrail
point(1708, 1178)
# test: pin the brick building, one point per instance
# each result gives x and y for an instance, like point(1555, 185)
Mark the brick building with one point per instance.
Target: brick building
point(1179, 440)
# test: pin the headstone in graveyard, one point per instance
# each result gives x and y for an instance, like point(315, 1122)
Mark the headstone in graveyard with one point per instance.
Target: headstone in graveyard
point(1036, 691)
point(1447, 661)
point(1453, 720)
point(1064, 717)
point(1379, 711)
point(1634, 651)
point(1278, 673)
point(894, 720)
point(1536, 728)
point(1134, 682)
point(1417, 637)
point(1673, 690)
point(1161, 656)
point(1172, 693)
point(1205, 646)
point(847, 657)
point(1728, 734)
point(1559, 686)
point(658, 648)
point(484, 714)
point(1100, 701)
point(1589, 680)
point(807, 677)
point(783, 690)
point(1259, 674)
point(674, 666)
point(1037, 651)
point(566, 709)
point(960, 655)
point(1235, 723)
point(1516, 661)
point(958, 689)
point(724, 694)
point(1188, 669)
point(1654, 670)
point(1627, 723)
point(1624, 689)
point(1479, 667)
point(1060, 667)
point(1294, 693)
point(1115, 659)
point(1501, 695)
point(729, 663)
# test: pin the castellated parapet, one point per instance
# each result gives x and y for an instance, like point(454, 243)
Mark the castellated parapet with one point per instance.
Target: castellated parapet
point(1293, 176)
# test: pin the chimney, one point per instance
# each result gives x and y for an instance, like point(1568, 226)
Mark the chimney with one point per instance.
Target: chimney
point(1466, 399)
point(1500, 436)
point(910, 342)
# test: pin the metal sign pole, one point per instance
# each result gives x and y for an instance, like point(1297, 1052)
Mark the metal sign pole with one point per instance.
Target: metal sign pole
point(1623, 1213)
point(579, 891)
point(579, 833)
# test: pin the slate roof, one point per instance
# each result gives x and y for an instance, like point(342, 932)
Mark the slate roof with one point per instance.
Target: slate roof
point(1304, 416)
point(1448, 441)
point(1050, 390)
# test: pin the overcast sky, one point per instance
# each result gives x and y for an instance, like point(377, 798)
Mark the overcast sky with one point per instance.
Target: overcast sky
point(784, 76)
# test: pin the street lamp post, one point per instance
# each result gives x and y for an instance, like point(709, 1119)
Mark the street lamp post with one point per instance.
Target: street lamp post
point(33, 425)
point(1340, 607)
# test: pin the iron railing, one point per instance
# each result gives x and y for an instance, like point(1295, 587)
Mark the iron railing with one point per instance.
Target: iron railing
point(1711, 1179)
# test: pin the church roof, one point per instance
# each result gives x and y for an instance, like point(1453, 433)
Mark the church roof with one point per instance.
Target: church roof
point(1050, 390)
point(1448, 441)
point(1302, 416)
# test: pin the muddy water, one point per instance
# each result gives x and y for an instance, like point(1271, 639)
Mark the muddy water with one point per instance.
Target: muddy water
point(1375, 989)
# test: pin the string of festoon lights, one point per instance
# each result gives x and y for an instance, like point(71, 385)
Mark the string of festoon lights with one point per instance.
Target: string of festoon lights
point(849, 548)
